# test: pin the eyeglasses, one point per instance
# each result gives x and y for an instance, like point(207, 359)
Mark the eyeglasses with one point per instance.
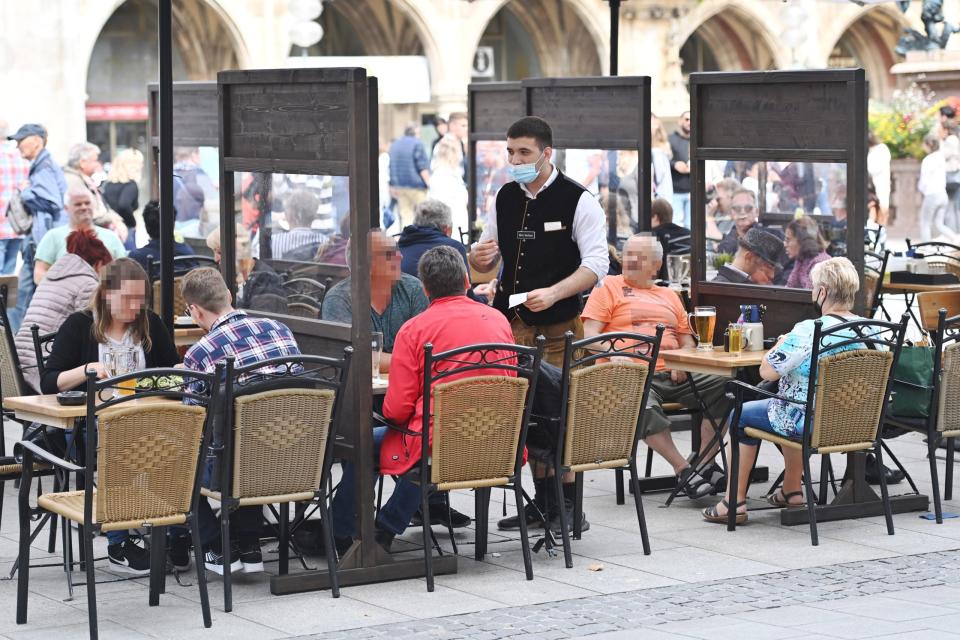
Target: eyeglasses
point(746, 208)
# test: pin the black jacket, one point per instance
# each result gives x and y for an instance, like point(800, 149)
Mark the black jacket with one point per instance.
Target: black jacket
point(75, 346)
point(416, 241)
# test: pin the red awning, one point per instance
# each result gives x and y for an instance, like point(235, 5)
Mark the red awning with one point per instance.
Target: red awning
point(100, 111)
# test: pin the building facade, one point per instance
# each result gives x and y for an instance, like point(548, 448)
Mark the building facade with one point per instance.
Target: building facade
point(81, 66)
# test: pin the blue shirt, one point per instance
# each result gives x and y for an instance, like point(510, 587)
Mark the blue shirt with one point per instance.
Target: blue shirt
point(416, 241)
point(47, 186)
point(407, 160)
point(151, 251)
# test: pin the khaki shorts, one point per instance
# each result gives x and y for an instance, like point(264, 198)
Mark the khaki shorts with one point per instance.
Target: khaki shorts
point(526, 335)
point(407, 199)
point(712, 389)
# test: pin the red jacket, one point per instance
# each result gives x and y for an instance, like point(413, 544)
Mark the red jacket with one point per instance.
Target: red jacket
point(447, 323)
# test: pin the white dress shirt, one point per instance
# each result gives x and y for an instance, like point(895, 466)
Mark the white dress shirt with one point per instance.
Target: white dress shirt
point(589, 229)
point(933, 175)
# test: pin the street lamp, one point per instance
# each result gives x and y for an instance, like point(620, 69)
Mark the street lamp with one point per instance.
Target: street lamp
point(614, 34)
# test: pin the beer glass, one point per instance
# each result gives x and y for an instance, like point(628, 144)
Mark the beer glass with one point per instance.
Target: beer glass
point(704, 320)
point(376, 348)
point(119, 361)
point(737, 337)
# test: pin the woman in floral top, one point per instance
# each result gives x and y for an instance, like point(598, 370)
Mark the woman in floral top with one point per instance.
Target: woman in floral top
point(835, 283)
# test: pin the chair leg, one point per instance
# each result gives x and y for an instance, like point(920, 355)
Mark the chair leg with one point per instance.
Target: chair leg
point(618, 482)
point(67, 555)
point(948, 478)
point(648, 466)
point(157, 563)
point(564, 525)
point(578, 506)
point(427, 530)
point(811, 501)
point(641, 519)
point(734, 475)
point(201, 572)
point(23, 576)
point(330, 547)
point(934, 480)
point(453, 538)
point(824, 478)
point(884, 493)
point(226, 551)
point(91, 583)
point(524, 539)
point(285, 538)
point(481, 502)
point(376, 513)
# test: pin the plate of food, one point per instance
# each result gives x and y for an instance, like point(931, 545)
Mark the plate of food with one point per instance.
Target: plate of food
point(184, 322)
point(159, 383)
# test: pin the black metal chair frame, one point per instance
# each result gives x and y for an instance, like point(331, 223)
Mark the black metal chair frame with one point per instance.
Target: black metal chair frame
point(289, 372)
point(947, 332)
point(881, 271)
point(634, 346)
point(42, 344)
point(435, 370)
point(27, 451)
point(872, 334)
point(179, 269)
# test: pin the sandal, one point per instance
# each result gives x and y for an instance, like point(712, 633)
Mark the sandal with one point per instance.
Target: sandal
point(710, 513)
point(782, 500)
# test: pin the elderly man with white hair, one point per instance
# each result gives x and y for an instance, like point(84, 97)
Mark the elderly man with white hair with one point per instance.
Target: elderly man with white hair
point(632, 302)
point(80, 216)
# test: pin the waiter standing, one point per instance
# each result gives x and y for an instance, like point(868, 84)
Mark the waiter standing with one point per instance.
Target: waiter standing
point(551, 233)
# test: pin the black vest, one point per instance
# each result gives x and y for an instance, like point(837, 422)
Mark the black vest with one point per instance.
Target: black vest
point(532, 257)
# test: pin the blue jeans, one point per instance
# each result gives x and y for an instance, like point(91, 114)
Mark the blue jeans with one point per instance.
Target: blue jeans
point(25, 285)
point(754, 414)
point(394, 515)
point(9, 249)
point(131, 242)
point(681, 207)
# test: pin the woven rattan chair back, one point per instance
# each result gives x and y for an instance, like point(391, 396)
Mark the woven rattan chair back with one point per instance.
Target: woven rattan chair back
point(146, 461)
point(948, 412)
point(303, 310)
point(870, 281)
point(280, 437)
point(179, 304)
point(11, 381)
point(849, 398)
point(476, 430)
point(602, 412)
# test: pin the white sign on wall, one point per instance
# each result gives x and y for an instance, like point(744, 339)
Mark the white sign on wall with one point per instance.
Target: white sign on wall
point(483, 63)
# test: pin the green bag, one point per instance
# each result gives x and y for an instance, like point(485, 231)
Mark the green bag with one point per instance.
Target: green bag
point(915, 367)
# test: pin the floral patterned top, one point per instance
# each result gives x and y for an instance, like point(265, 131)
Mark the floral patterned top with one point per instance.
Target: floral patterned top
point(791, 359)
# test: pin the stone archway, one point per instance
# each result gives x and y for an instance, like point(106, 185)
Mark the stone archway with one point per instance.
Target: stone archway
point(868, 42)
point(728, 40)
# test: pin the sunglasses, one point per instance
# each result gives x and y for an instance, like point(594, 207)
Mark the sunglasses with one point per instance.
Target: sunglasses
point(747, 208)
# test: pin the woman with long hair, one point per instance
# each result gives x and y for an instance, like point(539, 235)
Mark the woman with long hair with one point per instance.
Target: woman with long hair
point(446, 181)
point(121, 191)
point(660, 154)
point(806, 246)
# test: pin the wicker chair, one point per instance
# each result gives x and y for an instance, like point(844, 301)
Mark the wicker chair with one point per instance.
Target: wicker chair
point(302, 309)
point(874, 272)
point(480, 408)
point(940, 253)
point(147, 451)
point(42, 345)
point(845, 405)
point(600, 413)
point(283, 415)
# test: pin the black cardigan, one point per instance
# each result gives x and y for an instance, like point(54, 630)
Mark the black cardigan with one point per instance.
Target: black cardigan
point(75, 346)
point(122, 198)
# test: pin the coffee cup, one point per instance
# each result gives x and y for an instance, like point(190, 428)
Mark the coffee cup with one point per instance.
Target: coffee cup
point(753, 336)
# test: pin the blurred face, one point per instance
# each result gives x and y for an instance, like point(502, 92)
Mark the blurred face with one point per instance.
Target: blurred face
point(760, 271)
point(791, 245)
point(744, 212)
point(685, 123)
point(30, 147)
point(90, 165)
point(723, 199)
point(80, 209)
point(126, 302)
point(640, 262)
point(458, 128)
point(384, 259)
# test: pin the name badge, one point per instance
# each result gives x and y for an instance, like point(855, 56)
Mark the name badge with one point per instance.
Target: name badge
point(554, 225)
point(526, 235)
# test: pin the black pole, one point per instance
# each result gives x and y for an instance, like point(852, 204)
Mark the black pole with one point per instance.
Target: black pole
point(614, 35)
point(165, 121)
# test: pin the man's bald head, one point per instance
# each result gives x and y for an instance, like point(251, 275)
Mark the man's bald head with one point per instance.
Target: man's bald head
point(642, 257)
point(79, 207)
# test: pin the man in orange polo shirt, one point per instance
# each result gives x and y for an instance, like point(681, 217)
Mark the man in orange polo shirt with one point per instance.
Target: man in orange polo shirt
point(633, 302)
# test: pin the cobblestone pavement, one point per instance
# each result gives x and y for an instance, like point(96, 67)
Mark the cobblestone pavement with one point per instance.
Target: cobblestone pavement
point(645, 608)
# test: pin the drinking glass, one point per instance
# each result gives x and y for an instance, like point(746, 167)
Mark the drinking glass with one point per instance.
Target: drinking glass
point(736, 337)
point(376, 348)
point(678, 268)
point(119, 361)
point(704, 320)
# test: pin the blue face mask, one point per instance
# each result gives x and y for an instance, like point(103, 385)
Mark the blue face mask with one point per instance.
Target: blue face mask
point(524, 173)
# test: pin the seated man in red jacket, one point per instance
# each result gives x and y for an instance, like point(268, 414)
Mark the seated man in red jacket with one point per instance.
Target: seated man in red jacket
point(452, 320)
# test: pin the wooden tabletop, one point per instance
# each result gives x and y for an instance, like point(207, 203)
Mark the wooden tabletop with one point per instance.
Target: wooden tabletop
point(187, 336)
point(46, 410)
point(717, 362)
point(904, 287)
point(380, 386)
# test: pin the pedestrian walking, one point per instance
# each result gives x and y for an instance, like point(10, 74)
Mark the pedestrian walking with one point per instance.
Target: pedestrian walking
point(409, 173)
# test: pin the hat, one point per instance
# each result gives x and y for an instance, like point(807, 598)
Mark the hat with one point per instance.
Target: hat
point(28, 130)
point(764, 245)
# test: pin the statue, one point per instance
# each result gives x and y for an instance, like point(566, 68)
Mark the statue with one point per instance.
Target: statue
point(938, 30)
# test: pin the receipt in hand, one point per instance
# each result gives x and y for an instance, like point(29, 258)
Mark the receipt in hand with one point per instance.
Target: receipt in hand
point(517, 298)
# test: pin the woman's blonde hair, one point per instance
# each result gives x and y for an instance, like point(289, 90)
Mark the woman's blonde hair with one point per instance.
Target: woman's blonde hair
point(659, 138)
point(839, 277)
point(448, 153)
point(112, 278)
point(127, 166)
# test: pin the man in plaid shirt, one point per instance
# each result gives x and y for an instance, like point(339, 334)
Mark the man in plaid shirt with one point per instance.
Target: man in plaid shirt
point(248, 340)
point(13, 171)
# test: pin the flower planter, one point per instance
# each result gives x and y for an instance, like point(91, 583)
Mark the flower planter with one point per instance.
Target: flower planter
point(904, 198)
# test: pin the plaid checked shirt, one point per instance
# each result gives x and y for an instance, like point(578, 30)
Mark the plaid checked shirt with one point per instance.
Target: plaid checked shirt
point(247, 339)
point(13, 171)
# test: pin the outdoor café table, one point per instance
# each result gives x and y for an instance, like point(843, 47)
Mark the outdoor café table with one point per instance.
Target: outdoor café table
point(47, 411)
point(910, 291)
point(187, 336)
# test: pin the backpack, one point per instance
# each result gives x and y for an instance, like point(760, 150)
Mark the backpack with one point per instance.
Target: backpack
point(20, 219)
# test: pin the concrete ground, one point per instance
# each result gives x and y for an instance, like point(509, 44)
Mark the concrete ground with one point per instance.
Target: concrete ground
point(763, 580)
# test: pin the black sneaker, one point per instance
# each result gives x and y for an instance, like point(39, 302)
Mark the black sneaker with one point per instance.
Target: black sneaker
point(872, 472)
point(384, 538)
point(250, 556)
point(126, 557)
point(438, 515)
point(555, 522)
point(512, 523)
point(178, 553)
point(213, 560)
point(696, 486)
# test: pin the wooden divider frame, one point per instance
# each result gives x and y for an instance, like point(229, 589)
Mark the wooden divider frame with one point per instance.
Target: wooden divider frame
point(803, 116)
point(318, 122)
point(491, 108)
